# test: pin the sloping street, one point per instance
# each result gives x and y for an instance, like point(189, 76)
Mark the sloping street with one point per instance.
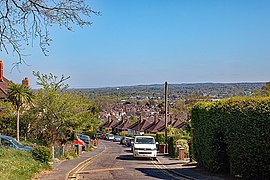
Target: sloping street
point(117, 162)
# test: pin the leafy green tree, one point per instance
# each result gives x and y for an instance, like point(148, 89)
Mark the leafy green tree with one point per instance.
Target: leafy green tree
point(264, 91)
point(19, 95)
point(62, 113)
point(180, 109)
point(133, 119)
point(7, 118)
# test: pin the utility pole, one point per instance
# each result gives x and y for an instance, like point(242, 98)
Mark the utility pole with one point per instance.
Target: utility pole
point(117, 94)
point(166, 111)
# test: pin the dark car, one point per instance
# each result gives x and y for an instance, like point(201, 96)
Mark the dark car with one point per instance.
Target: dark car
point(7, 141)
point(130, 142)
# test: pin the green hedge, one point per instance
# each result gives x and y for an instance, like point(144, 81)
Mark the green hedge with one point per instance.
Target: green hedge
point(153, 135)
point(160, 137)
point(171, 145)
point(42, 153)
point(233, 136)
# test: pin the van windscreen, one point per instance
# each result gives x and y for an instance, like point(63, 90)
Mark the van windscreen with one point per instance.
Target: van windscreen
point(143, 140)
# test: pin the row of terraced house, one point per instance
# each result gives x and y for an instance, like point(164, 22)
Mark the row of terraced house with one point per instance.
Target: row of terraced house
point(142, 126)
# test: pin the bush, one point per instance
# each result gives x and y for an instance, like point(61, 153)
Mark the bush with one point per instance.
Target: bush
point(69, 155)
point(153, 135)
point(160, 137)
point(171, 145)
point(233, 136)
point(42, 153)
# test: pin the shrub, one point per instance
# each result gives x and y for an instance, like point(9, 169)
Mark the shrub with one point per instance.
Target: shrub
point(42, 153)
point(171, 146)
point(89, 148)
point(233, 136)
point(69, 155)
point(153, 135)
point(160, 137)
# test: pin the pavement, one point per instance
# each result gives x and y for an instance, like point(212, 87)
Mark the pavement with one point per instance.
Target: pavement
point(62, 168)
point(173, 165)
point(183, 168)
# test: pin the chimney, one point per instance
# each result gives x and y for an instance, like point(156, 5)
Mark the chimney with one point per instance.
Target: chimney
point(155, 117)
point(25, 81)
point(1, 71)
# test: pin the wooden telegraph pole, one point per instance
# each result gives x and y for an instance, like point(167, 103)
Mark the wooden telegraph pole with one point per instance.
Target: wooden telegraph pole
point(166, 114)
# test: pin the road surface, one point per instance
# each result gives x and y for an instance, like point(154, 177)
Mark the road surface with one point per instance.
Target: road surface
point(117, 162)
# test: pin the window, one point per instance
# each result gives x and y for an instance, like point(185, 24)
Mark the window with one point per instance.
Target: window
point(142, 140)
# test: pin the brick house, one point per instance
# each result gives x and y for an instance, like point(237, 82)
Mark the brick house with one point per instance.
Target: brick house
point(3, 82)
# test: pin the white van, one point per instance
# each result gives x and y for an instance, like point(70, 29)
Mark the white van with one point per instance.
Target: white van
point(144, 146)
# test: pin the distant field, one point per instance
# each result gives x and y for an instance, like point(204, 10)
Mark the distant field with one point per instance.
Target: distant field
point(177, 91)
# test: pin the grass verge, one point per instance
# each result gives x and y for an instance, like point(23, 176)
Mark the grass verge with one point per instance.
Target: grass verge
point(17, 164)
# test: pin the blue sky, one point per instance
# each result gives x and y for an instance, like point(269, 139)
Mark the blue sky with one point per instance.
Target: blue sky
point(153, 41)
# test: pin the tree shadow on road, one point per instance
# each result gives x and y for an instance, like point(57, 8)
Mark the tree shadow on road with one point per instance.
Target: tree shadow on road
point(131, 158)
point(155, 173)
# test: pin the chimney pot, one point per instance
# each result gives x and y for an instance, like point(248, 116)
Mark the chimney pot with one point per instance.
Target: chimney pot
point(25, 81)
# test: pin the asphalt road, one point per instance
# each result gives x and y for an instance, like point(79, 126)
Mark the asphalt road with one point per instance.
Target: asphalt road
point(117, 162)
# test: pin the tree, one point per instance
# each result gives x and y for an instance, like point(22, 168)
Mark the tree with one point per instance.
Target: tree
point(22, 22)
point(179, 109)
point(7, 118)
point(62, 113)
point(264, 91)
point(19, 95)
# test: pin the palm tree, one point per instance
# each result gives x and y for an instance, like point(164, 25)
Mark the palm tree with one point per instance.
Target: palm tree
point(19, 94)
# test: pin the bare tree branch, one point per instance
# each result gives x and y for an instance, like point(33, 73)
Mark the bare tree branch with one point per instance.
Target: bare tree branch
point(22, 22)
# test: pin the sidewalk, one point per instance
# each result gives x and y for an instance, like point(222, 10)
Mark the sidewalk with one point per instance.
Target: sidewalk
point(61, 169)
point(182, 168)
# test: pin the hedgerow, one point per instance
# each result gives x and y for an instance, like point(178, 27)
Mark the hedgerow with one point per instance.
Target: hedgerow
point(233, 136)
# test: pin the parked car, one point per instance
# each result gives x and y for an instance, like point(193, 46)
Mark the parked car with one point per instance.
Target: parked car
point(109, 137)
point(85, 138)
point(130, 142)
point(7, 141)
point(99, 135)
point(144, 146)
point(78, 141)
point(117, 138)
point(102, 136)
point(123, 140)
point(127, 140)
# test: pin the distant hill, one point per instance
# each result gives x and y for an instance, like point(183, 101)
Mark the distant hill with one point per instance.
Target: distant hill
point(177, 91)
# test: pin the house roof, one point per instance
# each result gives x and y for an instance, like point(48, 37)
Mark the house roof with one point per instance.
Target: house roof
point(117, 124)
point(108, 124)
point(178, 124)
point(3, 88)
point(140, 125)
point(153, 128)
point(124, 126)
point(175, 124)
